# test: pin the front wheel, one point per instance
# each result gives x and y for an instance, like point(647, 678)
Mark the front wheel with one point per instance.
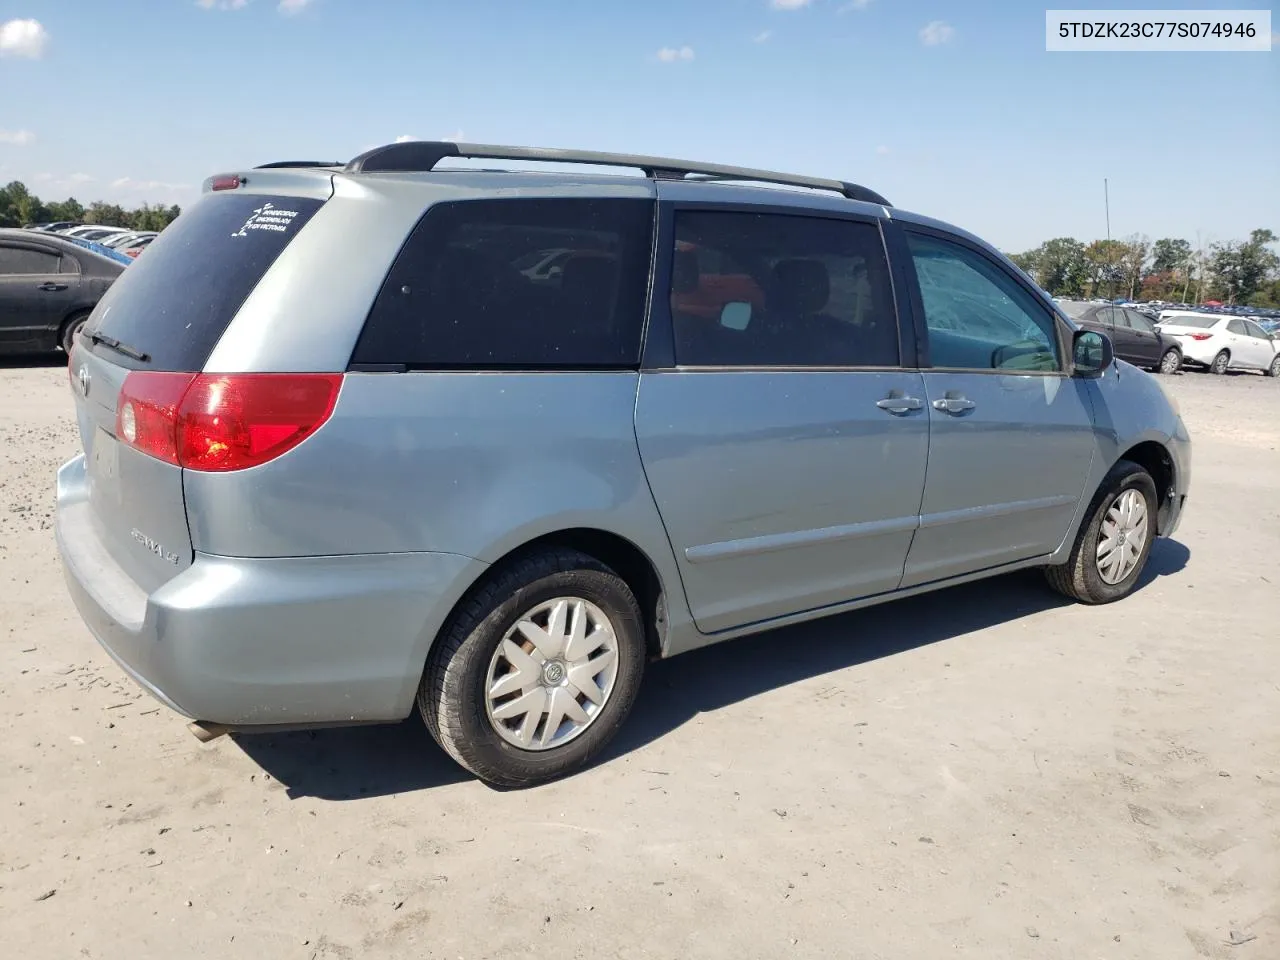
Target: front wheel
point(1171, 362)
point(1115, 540)
point(1274, 369)
point(1220, 363)
point(536, 670)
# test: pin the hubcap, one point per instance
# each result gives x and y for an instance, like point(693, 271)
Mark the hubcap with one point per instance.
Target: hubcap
point(552, 674)
point(1170, 362)
point(1124, 535)
point(1220, 364)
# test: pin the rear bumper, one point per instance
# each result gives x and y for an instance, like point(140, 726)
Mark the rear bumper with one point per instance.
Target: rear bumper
point(1199, 352)
point(265, 641)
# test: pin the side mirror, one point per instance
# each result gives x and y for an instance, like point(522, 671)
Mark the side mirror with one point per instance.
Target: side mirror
point(1092, 352)
point(735, 315)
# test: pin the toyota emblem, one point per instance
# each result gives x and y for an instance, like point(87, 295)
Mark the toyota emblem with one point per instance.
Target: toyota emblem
point(83, 377)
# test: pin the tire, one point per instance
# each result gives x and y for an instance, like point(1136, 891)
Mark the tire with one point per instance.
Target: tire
point(453, 695)
point(1170, 362)
point(1220, 363)
point(1274, 369)
point(1081, 577)
point(67, 339)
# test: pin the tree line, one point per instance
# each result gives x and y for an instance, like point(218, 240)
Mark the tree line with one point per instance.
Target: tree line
point(1245, 272)
point(19, 207)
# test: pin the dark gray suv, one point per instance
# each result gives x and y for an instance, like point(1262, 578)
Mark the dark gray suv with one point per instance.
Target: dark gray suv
point(364, 436)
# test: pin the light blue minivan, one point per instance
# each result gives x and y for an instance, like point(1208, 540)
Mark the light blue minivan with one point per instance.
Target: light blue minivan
point(345, 452)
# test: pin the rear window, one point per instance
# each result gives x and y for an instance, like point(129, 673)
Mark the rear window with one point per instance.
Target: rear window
point(1181, 320)
point(516, 284)
point(176, 302)
point(1074, 308)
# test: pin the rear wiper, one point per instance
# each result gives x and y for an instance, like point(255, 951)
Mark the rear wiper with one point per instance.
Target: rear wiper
point(121, 348)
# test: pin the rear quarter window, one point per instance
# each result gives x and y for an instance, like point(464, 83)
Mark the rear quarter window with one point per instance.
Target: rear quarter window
point(176, 302)
point(516, 284)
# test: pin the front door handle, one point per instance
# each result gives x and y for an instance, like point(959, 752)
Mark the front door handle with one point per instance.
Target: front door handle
point(900, 405)
point(52, 287)
point(954, 405)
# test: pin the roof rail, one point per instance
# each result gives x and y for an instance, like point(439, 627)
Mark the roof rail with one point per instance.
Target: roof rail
point(280, 164)
point(423, 155)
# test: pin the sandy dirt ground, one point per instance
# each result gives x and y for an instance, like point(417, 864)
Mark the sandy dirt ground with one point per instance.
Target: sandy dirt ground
point(987, 773)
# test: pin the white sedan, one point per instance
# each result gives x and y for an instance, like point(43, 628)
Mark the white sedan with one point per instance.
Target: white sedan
point(1221, 343)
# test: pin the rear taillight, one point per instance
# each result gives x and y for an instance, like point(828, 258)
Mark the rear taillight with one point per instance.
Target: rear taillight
point(1200, 336)
point(225, 183)
point(220, 422)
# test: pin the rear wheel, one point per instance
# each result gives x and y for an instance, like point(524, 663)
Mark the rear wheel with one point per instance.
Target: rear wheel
point(1115, 540)
point(70, 330)
point(1171, 362)
point(536, 670)
point(1220, 363)
point(1274, 369)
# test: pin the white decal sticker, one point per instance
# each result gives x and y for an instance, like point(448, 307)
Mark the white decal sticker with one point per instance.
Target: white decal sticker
point(267, 217)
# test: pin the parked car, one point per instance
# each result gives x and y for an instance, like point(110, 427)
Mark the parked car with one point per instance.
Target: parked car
point(497, 498)
point(1220, 343)
point(95, 233)
point(1135, 337)
point(135, 247)
point(122, 241)
point(48, 285)
point(102, 250)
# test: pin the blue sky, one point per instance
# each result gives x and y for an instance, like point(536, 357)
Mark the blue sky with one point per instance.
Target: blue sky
point(953, 109)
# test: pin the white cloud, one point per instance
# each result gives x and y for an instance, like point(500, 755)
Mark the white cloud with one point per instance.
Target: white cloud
point(17, 138)
point(23, 38)
point(405, 138)
point(290, 7)
point(882, 150)
point(129, 185)
point(81, 178)
point(936, 32)
point(762, 37)
point(672, 54)
point(854, 5)
point(222, 4)
point(789, 4)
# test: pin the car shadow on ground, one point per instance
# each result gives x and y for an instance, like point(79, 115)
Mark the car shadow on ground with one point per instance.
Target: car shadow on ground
point(360, 762)
point(33, 361)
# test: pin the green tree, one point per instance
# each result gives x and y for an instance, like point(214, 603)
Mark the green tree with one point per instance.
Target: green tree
point(1057, 265)
point(1241, 269)
point(1170, 253)
point(107, 214)
point(69, 209)
point(1105, 263)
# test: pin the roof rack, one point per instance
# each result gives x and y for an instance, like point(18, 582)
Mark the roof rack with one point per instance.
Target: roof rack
point(423, 155)
point(280, 164)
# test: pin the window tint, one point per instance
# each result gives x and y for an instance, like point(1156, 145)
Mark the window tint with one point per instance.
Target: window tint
point(979, 317)
point(1109, 316)
point(1139, 322)
point(1201, 321)
point(1236, 326)
point(68, 264)
point(1255, 330)
point(493, 284)
point(772, 290)
point(177, 301)
point(18, 260)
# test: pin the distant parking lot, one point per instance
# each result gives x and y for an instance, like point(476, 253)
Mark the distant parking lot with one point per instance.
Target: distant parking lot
point(986, 772)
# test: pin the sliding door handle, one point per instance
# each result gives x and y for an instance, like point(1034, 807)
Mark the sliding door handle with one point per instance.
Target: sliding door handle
point(954, 405)
point(900, 405)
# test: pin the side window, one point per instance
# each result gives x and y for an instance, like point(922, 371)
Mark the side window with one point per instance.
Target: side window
point(979, 317)
point(68, 264)
point(1236, 326)
point(1255, 330)
point(22, 260)
point(1139, 322)
point(1109, 316)
point(494, 284)
point(776, 290)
